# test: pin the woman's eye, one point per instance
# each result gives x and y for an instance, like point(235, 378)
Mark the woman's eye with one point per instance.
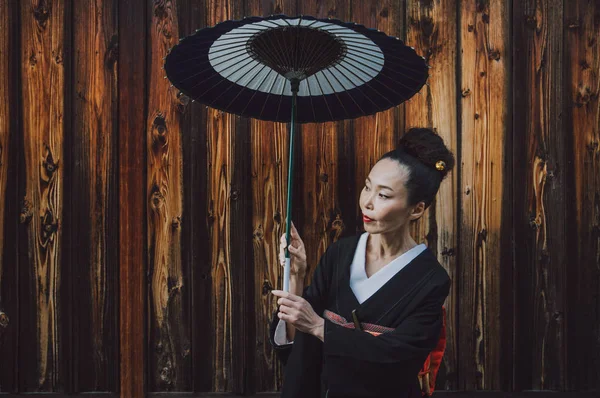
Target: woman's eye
point(383, 196)
point(366, 188)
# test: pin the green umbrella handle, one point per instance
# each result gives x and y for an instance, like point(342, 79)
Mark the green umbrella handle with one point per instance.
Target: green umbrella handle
point(288, 223)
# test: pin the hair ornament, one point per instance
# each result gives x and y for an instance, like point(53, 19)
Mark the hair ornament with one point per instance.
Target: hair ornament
point(440, 165)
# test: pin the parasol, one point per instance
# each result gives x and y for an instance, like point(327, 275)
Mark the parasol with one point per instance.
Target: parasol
point(297, 70)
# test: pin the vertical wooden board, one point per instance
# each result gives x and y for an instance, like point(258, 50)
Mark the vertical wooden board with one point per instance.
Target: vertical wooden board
point(93, 192)
point(320, 220)
point(539, 190)
point(220, 146)
point(377, 134)
point(169, 343)
point(484, 66)
point(227, 271)
point(582, 30)
point(9, 159)
point(132, 197)
point(431, 30)
point(195, 245)
point(269, 152)
point(42, 69)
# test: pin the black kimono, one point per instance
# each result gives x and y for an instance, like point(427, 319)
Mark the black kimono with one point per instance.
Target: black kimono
point(354, 363)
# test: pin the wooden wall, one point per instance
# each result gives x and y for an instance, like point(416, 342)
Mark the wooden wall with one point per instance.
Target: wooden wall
point(139, 229)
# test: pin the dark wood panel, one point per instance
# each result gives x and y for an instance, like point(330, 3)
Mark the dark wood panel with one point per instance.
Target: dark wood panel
point(195, 245)
point(484, 84)
point(43, 97)
point(431, 29)
point(582, 67)
point(93, 196)
point(169, 334)
point(132, 197)
point(10, 156)
point(540, 205)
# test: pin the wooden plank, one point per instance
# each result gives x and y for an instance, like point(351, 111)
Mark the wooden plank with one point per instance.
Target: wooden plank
point(431, 30)
point(93, 190)
point(484, 72)
point(169, 343)
point(132, 197)
point(195, 245)
point(540, 208)
point(582, 25)
point(9, 195)
point(317, 207)
point(229, 229)
point(377, 134)
point(43, 71)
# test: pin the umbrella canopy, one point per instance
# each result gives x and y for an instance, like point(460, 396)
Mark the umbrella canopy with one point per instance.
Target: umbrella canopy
point(295, 69)
point(247, 67)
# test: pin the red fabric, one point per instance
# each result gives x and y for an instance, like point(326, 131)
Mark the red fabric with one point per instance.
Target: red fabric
point(429, 372)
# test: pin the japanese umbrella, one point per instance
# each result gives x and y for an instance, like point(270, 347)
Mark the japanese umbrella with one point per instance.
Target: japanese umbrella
point(296, 70)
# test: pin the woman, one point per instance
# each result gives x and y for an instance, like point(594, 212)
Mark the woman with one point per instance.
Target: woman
point(373, 312)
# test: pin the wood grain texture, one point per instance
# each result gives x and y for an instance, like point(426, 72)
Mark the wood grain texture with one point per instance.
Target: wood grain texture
point(9, 196)
point(195, 244)
point(541, 205)
point(582, 24)
point(484, 66)
point(377, 134)
point(132, 197)
point(269, 153)
point(170, 347)
point(318, 213)
point(43, 96)
point(431, 30)
point(93, 216)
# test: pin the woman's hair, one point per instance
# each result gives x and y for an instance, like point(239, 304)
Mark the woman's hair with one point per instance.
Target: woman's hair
point(428, 161)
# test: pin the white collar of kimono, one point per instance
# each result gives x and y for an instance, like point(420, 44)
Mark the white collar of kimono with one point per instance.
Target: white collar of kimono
point(363, 286)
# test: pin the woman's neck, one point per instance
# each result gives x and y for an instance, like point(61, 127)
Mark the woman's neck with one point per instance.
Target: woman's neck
point(390, 245)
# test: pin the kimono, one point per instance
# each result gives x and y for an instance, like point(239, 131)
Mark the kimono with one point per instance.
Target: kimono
point(352, 362)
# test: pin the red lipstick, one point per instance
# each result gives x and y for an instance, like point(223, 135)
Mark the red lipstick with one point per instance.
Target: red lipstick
point(366, 219)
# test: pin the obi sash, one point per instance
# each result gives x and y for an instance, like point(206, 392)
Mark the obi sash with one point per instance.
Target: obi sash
point(428, 372)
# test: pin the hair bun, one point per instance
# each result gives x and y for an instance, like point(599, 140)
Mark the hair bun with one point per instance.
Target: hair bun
point(429, 148)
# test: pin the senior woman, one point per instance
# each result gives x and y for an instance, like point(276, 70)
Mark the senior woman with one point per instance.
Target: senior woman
point(373, 311)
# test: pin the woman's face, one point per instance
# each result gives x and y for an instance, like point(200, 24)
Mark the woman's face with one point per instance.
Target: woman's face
point(384, 198)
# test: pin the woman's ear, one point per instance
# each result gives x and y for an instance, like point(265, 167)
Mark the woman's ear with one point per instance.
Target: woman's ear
point(417, 211)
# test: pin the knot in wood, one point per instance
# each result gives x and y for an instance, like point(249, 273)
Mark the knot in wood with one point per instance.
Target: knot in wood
point(49, 164)
point(176, 222)
point(157, 200)
point(4, 321)
point(383, 13)
point(324, 177)
point(41, 13)
point(26, 212)
point(448, 252)
point(466, 92)
point(266, 289)
point(494, 55)
point(277, 217)
point(258, 233)
point(467, 190)
point(159, 126)
point(235, 195)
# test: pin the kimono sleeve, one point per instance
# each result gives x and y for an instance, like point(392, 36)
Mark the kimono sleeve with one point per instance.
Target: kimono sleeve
point(408, 344)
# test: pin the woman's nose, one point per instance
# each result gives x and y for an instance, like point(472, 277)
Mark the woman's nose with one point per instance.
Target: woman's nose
point(369, 202)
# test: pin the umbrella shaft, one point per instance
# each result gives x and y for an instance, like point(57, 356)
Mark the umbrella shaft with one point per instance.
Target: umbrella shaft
point(288, 212)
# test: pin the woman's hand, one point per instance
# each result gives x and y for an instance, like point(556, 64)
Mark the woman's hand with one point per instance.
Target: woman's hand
point(298, 312)
point(297, 253)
